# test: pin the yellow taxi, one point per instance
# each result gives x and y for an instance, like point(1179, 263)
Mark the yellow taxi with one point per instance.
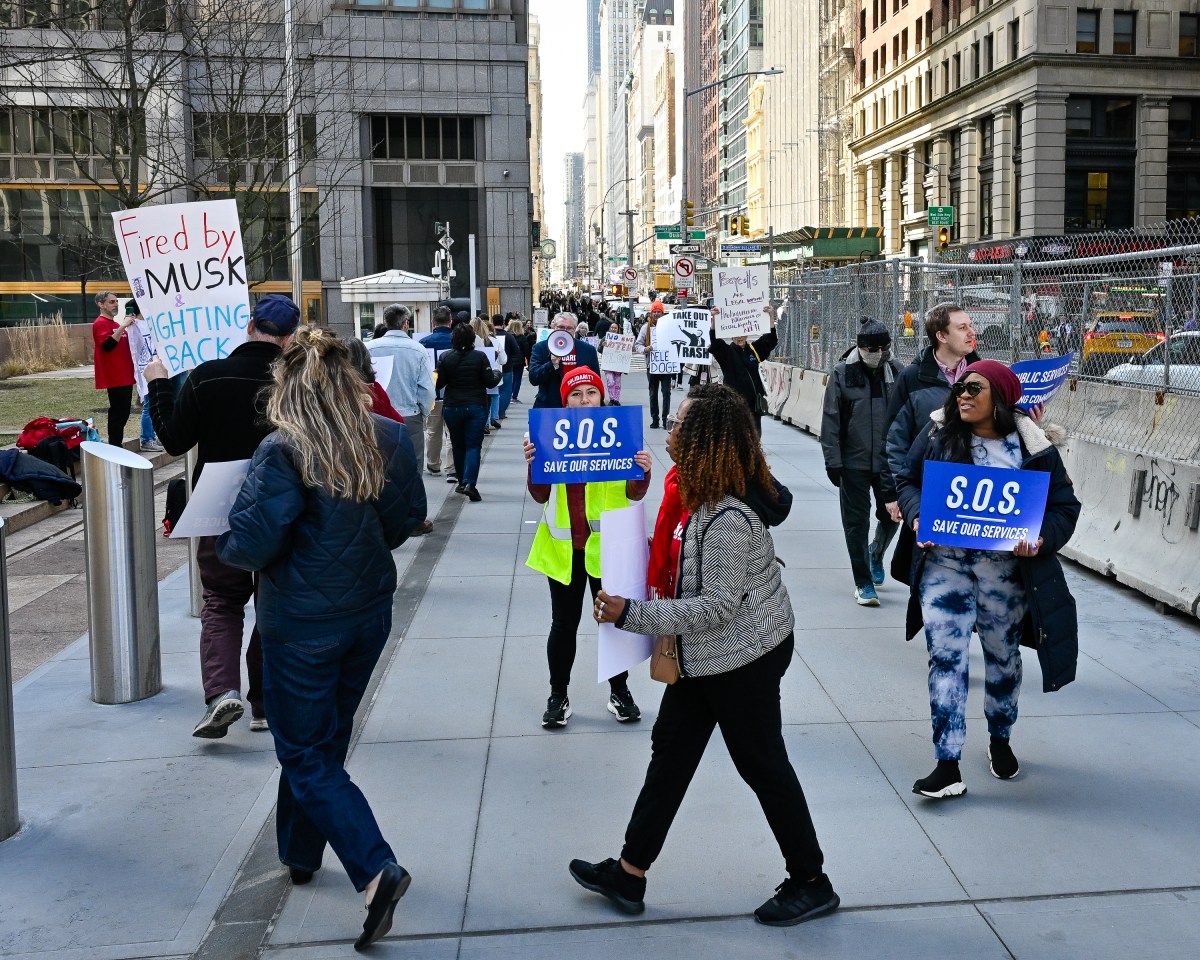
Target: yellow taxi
point(1114, 338)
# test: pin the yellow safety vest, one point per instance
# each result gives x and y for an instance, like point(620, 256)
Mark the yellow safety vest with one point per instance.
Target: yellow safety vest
point(551, 550)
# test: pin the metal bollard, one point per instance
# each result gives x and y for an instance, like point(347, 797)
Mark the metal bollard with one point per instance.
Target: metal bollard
point(10, 820)
point(195, 589)
point(122, 574)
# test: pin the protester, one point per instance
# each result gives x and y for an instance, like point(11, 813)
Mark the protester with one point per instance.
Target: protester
point(566, 548)
point(516, 329)
point(410, 386)
point(660, 383)
point(739, 360)
point(465, 376)
point(1004, 597)
point(734, 625)
point(221, 412)
point(852, 440)
point(113, 364)
point(485, 336)
point(514, 360)
point(141, 347)
point(329, 495)
point(438, 453)
point(546, 371)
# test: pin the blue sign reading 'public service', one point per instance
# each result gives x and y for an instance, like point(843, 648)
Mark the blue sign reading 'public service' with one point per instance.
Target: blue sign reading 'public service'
point(585, 444)
point(1041, 378)
point(981, 508)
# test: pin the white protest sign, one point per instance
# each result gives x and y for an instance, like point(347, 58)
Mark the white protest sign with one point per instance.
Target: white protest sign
point(187, 271)
point(661, 361)
point(618, 353)
point(624, 557)
point(593, 342)
point(383, 369)
point(541, 316)
point(543, 334)
point(741, 293)
point(490, 353)
point(207, 510)
point(685, 333)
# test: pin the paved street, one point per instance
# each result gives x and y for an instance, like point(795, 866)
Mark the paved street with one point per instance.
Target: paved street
point(140, 841)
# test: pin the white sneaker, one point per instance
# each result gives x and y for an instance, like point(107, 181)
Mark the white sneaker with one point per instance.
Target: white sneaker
point(259, 725)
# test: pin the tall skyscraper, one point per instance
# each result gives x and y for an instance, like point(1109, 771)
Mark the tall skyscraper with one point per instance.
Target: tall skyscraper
point(572, 248)
point(739, 49)
point(593, 22)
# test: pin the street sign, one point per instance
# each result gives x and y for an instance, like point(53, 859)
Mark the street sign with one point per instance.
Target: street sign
point(445, 242)
point(670, 231)
point(941, 216)
point(618, 259)
point(678, 249)
point(683, 269)
point(741, 248)
point(629, 275)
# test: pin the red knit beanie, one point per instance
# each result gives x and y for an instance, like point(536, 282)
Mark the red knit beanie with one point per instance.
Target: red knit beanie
point(1004, 382)
point(581, 377)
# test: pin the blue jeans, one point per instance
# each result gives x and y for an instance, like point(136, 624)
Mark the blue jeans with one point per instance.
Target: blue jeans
point(466, 437)
point(494, 407)
point(518, 379)
point(506, 393)
point(147, 423)
point(311, 689)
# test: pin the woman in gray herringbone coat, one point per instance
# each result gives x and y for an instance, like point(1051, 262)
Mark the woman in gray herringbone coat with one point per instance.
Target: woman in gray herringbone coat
point(733, 620)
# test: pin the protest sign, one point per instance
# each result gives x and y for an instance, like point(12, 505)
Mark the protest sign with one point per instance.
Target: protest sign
point(490, 353)
point(624, 557)
point(618, 353)
point(981, 508)
point(661, 362)
point(383, 369)
point(207, 510)
point(741, 293)
point(541, 316)
point(593, 342)
point(1041, 378)
point(585, 444)
point(187, 271)
point(543, 334)
point(684, 334)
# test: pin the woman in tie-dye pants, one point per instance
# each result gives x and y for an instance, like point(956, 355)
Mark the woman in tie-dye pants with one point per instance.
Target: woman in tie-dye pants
point(1005, 596)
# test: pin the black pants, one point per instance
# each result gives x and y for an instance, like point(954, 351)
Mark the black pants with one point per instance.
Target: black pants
point(566, 608)
point(660, 383)
point(855, 496)
point(744, 703)
point(120, 399)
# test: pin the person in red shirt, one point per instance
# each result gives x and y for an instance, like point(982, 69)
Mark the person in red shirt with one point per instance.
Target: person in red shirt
point(113, 364)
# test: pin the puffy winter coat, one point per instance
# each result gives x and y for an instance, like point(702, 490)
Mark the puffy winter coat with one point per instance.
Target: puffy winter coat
point(854, 422)
point(326, 562)
point(1051, 626)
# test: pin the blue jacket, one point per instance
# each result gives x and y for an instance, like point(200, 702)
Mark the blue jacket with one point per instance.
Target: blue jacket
point(326, 563)
point(438, 341)
point(1051, 626)
point(548, 378)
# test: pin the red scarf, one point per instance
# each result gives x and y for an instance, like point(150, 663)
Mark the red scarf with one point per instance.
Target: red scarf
point(660, 574)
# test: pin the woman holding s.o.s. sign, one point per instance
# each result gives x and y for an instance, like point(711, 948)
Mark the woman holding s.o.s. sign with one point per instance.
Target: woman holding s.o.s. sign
point(1008, 598)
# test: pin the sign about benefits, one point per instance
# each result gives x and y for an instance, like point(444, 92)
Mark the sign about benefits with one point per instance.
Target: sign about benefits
point(618, 353)
point(585, 444)
point(1041, 378)
point(981, 508)
point(684, 334)
point(187, 271)
point(741, 293)
point(207, 510)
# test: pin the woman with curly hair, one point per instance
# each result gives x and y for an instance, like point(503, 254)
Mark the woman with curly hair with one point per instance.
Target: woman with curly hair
point(733, 621)
point(330, 493)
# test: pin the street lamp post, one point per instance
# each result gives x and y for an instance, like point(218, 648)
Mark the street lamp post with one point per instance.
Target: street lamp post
point(599, 230)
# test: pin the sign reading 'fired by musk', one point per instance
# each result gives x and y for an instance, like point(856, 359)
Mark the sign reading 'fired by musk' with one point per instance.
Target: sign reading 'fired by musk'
point(187, 271)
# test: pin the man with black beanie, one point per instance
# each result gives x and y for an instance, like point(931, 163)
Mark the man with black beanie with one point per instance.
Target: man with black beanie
point(853, 434)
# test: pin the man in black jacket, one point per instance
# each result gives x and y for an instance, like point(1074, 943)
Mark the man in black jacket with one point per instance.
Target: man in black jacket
point(221, 411)
point(546, 371)
point(853, 429)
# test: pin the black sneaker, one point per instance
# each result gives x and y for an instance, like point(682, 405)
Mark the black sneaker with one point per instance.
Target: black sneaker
point(451, 478)
point(461, 488)
point(945, 781)
point(796, 902)
point(621, 706)
point(609, 879)
point(653, 424)
point(558, 711)
point(223, 709)
point(1002, 760)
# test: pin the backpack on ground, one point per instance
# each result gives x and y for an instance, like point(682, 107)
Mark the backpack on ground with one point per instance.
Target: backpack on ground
point(72, 432)
point(54, 450)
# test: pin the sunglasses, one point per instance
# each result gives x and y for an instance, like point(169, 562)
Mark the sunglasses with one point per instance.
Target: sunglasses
point(873, 349)
point(672, 423)
point(974, 388)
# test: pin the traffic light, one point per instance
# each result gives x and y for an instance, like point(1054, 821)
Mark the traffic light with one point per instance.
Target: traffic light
point(734, 225)
point(745, 226)
point(943, 237)
point(691, 214)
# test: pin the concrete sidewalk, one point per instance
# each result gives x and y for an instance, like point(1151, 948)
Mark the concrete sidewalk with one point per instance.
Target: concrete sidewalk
point(137, 838)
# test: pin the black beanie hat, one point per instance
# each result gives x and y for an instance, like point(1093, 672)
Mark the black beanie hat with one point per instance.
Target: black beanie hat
point(872, 333)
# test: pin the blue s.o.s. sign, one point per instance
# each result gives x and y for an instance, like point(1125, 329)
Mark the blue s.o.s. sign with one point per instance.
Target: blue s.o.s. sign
point(585, 444)
point(981, 508)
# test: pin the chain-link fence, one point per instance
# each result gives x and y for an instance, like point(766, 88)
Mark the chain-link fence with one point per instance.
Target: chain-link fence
point(1129, 312)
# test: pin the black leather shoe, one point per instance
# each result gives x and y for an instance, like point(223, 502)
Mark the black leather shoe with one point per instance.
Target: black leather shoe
point(393, 884)
point(472, 494)
point(461, 488)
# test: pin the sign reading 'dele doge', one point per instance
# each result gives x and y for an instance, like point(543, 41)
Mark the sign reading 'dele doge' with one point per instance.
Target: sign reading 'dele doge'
point(187, 271)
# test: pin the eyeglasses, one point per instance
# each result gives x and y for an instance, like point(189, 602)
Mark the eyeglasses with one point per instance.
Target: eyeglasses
point(873, 349)
point(673, 422)
point(973, 387)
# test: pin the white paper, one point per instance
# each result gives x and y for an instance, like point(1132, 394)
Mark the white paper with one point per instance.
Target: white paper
point(685, 334)
point(541, 316)
point(624, 558)
point(207, 510)
point(741, 293)
point(383, 369)
point(618, 353)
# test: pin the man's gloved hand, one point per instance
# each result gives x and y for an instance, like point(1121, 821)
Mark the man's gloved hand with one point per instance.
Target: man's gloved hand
point(835, 475)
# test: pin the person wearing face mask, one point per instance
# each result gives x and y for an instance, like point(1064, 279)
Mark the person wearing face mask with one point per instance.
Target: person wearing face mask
point(853, 431)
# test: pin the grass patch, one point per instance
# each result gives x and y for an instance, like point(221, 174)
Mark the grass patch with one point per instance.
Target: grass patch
point(22, 400)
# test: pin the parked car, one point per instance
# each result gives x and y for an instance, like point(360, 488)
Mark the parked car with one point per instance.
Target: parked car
point(1116, 338)
point(1150, 369)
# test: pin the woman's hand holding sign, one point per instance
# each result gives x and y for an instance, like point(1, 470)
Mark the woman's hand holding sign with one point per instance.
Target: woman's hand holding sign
point(643, 459)
point(1027, 549)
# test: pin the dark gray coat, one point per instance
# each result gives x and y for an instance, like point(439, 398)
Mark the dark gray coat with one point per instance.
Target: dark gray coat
point(854, 423)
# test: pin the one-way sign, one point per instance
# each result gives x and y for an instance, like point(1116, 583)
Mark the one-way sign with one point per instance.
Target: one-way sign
point(681, 248)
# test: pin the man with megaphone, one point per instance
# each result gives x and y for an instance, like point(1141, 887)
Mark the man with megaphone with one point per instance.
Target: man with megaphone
point(557, 356)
